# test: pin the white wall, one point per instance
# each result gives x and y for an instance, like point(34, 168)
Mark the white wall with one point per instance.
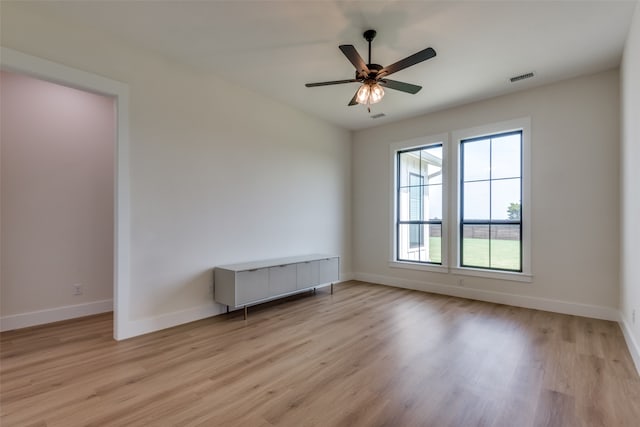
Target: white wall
point(630, 188)
point(575, 207)
point(219, 174)
point(57, 196)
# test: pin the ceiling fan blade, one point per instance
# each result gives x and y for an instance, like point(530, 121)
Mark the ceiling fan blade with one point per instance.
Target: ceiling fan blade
point(414, 59)
point(401, 86)
point(335, 82)
point(352, 55)
point(353, 100)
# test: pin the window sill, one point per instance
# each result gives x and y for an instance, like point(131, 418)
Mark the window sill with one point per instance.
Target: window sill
point(492, 274)
point(418, 266)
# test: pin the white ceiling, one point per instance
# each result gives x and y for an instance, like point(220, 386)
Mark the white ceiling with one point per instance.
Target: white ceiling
point(275, 47)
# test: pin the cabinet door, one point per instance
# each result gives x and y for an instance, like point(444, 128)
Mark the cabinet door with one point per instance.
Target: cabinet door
point(252, 285)
point(282, 279)
point(307, 274)
point(328, 270)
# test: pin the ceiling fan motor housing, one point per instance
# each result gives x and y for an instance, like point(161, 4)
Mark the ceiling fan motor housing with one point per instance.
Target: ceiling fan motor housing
point(373, 71)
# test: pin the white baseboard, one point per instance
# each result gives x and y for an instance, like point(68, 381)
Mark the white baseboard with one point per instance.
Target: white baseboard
point(632, 344)
point(556, 306)
point(34, 318)
point(345, 277)
point(169, 320)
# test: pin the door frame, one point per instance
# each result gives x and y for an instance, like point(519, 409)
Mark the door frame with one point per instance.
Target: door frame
point(43, 69)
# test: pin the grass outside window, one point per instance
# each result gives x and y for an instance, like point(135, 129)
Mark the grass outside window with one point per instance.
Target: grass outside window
point(505, 254)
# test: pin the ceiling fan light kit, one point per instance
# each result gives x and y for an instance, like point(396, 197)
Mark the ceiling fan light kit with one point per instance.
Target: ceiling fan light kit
point(369, 93)
point(373, 76)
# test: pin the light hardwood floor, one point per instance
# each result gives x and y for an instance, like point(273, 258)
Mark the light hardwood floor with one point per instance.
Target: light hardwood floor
point(368, 355)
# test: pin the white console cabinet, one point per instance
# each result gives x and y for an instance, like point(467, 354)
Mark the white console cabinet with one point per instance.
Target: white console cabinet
point(237, 285)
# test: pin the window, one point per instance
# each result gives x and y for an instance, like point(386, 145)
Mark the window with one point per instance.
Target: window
point(419, 182)
point(490, 235)
point(492, 201)
point(488, 205)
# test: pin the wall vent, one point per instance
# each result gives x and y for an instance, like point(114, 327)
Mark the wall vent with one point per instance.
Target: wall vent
point(521, 77)
point(377, 116)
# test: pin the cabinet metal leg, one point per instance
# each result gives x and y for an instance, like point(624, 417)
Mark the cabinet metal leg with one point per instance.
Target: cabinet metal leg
point(245, 312)
point(227, 309)
point(331, 288)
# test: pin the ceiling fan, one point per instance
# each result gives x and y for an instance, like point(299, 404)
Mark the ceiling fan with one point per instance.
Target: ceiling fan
point(374, 76)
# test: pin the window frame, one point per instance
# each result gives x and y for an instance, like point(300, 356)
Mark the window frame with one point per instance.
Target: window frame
point(488, 222)
point(395, 149)
point(521, 124)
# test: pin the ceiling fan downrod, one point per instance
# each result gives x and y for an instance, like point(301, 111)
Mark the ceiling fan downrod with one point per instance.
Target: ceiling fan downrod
point(369, 35)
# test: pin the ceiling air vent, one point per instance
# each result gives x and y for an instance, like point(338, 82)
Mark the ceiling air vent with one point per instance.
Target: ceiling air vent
point(521, 77)
point(377, 116)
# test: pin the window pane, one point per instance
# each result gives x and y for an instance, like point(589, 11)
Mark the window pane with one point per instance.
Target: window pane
point(505, 247)
point(420, 242)
point(433, 251)
point(403, 204)
point(416, 202)
point(410, 241)
point(505, 199)
point(432, 196)
point(416, 236)
point(475, 246)
point(432, 164)
point(434, 174)
point(505, 157)
point(477, 156)
point(412, 204)
point(409, 163)
point(476, 200)
point(426, 163)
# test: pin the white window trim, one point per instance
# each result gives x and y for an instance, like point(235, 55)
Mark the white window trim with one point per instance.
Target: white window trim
point(514, 276)
point(523, 124)
point(435, 268)
point(443, 139)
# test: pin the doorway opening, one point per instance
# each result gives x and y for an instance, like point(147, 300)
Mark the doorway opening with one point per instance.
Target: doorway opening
point(117, 92)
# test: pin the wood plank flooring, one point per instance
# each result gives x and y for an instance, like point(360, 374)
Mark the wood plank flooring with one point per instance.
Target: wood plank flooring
point(368, 355)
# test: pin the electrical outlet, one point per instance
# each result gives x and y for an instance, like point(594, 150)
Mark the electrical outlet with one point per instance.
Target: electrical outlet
point(77, 289)
point(460, 282)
